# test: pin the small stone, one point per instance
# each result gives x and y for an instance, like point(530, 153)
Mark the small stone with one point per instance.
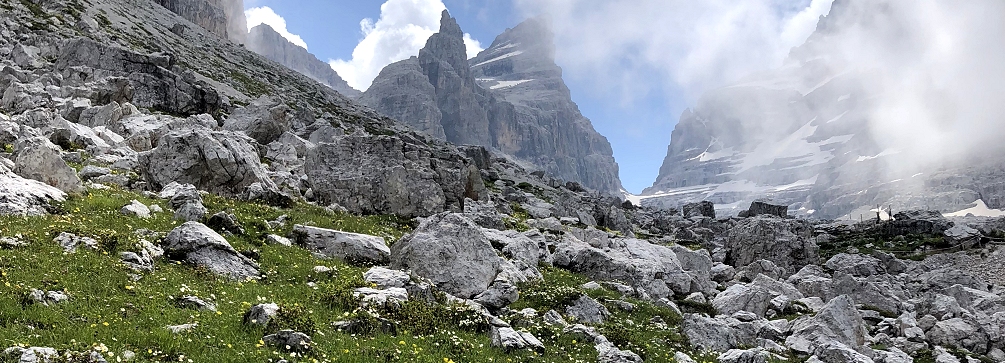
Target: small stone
point(289, 340)
point(136, 209)
point(261, 314)
point(178, 329)
point(278, 240)
point(194, 303)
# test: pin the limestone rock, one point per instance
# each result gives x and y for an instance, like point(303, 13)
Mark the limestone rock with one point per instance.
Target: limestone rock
point(261, 314)
point(39, 159)
point(389, 175)
point(219, 162)
point(350, 247)
point(196, 244)
point(786, 242)
point(451, 251)
point(586, 310)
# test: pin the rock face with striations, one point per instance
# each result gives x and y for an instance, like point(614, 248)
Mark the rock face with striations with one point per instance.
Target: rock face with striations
point(225, 18)
point(266, 41)
point(510, 98)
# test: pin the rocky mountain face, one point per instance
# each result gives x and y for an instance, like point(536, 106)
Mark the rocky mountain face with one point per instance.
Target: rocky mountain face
point(93, 115)
point(225, 18)
point(805, 135)
point(510, 98)
point(264, 40)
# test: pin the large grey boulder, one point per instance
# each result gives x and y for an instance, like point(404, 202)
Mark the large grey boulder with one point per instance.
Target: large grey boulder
point(837, 324)
point(854, 264)
point(196, 244)
point(219, 162)
point(786, 242)
point(652, 269)
point(354, 248)
point(956, 332)
point(389, 175)
point(20, 196)
point(265, 120)
point(39, 159)
point(740, 297)
point(452, 252)
point(607, 352)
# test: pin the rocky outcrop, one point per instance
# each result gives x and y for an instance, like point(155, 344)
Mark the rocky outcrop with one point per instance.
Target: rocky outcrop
point(151, 81)
point(510, 98)
point(390, 175)
point(39, 159)
point(266, 41)
point(788, 243)
point(216, 161)
point(654, 271)
point(225, 18)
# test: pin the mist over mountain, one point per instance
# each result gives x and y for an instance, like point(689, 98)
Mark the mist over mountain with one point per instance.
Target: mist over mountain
point(887, 103)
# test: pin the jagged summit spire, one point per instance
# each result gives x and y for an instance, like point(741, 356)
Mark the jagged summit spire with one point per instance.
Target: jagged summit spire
point(449, 26)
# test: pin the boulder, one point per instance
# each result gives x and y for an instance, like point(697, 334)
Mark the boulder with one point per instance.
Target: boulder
point(451, 251)
point(265, 120)
point(856, 264)
point(500, 294)
point(289, 340)
point(700, 209)
point(219, 162)
point(653, 269)
point(389, 175)
point(196, 244)
point(740, 297)
point(586, 310)
point(956, 332)
point(607, 352)
point(762, 208)
point(386, 278)
point(224, 222)
point(786, 242)
point(40, 160)
point(20, 196)
point(353, 248)
point(755, 355)
point(136, 209)
point(509, 339)
point(837, 324)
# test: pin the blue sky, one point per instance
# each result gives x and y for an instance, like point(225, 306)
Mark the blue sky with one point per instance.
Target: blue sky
point(633, 65)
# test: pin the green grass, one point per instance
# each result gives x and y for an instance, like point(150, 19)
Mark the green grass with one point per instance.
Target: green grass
point(110, 310)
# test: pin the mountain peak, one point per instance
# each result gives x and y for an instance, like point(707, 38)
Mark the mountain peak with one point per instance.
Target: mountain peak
point(449, 26)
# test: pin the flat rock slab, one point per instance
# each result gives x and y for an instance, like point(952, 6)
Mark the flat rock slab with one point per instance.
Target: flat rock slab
point(354, 248)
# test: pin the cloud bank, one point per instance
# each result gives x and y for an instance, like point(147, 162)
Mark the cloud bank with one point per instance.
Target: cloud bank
point(629, 46)
point(399, 33)
point(265, 15)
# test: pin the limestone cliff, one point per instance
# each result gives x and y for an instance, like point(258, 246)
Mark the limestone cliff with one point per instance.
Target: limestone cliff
point(266, 41)
point(510, 98)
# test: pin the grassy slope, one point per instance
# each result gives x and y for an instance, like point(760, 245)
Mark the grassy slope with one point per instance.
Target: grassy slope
point(110, 310)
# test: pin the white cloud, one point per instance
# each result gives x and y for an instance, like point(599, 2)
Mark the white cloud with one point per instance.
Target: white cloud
point(473, 46)
point(265, 15)
point(629, 46)
point(403, 28)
